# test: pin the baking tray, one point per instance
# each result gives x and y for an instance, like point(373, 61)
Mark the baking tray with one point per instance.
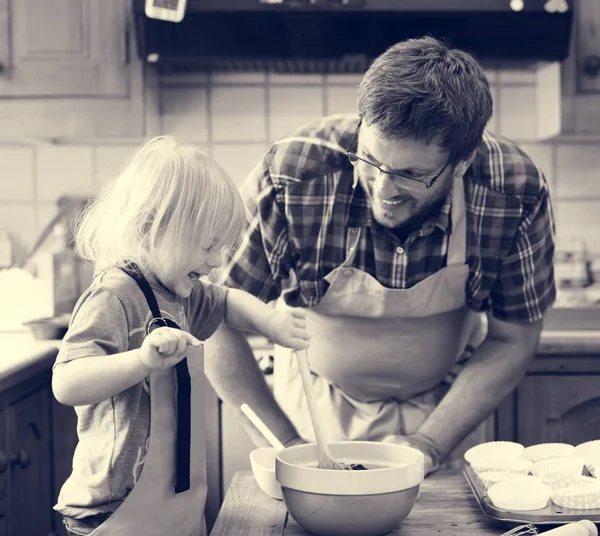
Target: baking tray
point(551, 515)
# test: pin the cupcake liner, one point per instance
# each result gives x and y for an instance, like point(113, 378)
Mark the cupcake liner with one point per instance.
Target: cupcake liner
point(545, 451)
point(508, 465)
point(489, 478)
point(572, 465)
point(494, 449)
point(519, 494)
point(561, 480)
point(578, 497)
point(589, 449)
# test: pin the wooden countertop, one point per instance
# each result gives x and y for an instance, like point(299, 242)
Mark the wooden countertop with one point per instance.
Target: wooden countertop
point(446, 506)
point(569, 342)
point(22, 355)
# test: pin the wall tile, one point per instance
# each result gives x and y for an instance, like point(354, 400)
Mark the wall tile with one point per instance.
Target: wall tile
point(45, 213)
point(19, 220)
point(238, 114)
point(184, 113)
point(341, 100)
point(516, 76)
point(239, 160)
point(63, 170)
point(16, 173)
point(578, 170)
point(308, 79)
point(579, 219)
point(109, 159)
point(516, 112)
point(543, 155)
point(349, 79)
point(237, 78)
point(291, 107)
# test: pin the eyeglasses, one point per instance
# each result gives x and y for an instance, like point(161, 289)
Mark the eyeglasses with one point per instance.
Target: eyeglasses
point(421, 182)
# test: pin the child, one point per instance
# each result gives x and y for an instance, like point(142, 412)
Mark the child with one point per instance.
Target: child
point(140, 464)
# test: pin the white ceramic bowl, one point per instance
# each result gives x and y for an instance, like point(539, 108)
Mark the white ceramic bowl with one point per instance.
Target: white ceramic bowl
point(350, 503)
point(262, 461)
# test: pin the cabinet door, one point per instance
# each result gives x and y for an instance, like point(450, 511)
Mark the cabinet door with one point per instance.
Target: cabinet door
point(63, 48)
point(580, 88)
point(559, 409)
point(3, 473)
point(30, 500)
point(64, 435)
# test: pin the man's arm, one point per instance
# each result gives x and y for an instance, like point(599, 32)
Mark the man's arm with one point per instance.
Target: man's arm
point(522, 293)
point(492, 372)
point(236, 377)
point(257, 267)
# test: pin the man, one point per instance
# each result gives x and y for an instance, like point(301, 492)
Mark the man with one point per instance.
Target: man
point(398, 231)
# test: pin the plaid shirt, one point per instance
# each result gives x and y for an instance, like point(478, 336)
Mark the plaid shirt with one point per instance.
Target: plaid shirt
point(301, 201)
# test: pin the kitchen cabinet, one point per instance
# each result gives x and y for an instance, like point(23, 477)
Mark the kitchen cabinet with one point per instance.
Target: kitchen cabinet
point(28, 450)
point(66, 74)
point(568, 94)
point(35, 444)
point(557, 401)
point(570, 413)
point(63, 48)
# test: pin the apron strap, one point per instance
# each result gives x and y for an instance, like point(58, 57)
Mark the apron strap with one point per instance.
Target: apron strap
point(184, 390)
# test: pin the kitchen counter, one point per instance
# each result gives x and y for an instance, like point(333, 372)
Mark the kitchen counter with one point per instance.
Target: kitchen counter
point(569, 342)
point(22, 356)
point(446, 506)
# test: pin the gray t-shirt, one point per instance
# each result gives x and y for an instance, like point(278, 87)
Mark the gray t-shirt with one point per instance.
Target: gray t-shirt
point(110, 318)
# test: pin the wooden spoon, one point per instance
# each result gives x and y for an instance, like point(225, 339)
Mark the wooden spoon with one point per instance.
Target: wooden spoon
point(326, 460)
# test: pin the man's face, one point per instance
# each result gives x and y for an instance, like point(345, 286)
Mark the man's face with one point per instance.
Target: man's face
point(396, 200)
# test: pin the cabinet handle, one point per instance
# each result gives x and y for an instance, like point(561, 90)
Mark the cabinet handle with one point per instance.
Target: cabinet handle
point(591, 65)
point(23, 459)
point(3, 462)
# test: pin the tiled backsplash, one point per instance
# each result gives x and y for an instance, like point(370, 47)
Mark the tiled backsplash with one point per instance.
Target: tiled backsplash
point(236, 116)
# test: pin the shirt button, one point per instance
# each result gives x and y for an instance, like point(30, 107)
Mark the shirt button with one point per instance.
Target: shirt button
point(399, 251)
point(347, 272)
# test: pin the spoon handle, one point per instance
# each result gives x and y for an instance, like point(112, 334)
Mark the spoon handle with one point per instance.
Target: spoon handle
point(262, 427)
point(312, 403)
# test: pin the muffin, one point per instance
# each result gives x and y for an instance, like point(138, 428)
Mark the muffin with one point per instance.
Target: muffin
point(494, 449)
point(545, 451)
point(571, 465)
point(508, 465)
point(520, 494)
point(579, 496)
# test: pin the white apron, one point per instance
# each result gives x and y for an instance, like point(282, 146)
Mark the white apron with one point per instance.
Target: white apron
point(152, 508)
point(378, 355)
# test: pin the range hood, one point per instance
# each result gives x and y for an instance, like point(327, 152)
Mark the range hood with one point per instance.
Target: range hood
point(345, 35)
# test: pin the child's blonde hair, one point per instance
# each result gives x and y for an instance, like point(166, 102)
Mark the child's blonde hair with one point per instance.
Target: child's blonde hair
point(169, 201)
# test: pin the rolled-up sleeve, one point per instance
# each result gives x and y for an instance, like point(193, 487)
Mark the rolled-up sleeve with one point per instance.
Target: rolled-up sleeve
point(263, 259)
point(525, 288)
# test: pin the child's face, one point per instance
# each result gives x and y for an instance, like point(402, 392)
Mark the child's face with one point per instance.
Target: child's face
point(205, 262)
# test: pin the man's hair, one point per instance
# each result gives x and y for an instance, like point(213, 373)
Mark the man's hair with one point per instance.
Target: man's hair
point(424, 90)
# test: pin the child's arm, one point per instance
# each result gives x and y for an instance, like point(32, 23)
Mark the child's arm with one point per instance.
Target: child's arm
point(247, 313)
point(89, 380)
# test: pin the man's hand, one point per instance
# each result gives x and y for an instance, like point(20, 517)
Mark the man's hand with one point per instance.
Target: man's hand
point(421, 443)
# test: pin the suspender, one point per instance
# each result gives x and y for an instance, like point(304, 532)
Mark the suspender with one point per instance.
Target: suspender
point(184, 390)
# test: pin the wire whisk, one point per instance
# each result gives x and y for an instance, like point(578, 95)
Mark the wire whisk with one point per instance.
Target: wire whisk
point(521, 530)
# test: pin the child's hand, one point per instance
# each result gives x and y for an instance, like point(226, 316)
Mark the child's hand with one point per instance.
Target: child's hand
point(165, 347)
point(288, 328)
